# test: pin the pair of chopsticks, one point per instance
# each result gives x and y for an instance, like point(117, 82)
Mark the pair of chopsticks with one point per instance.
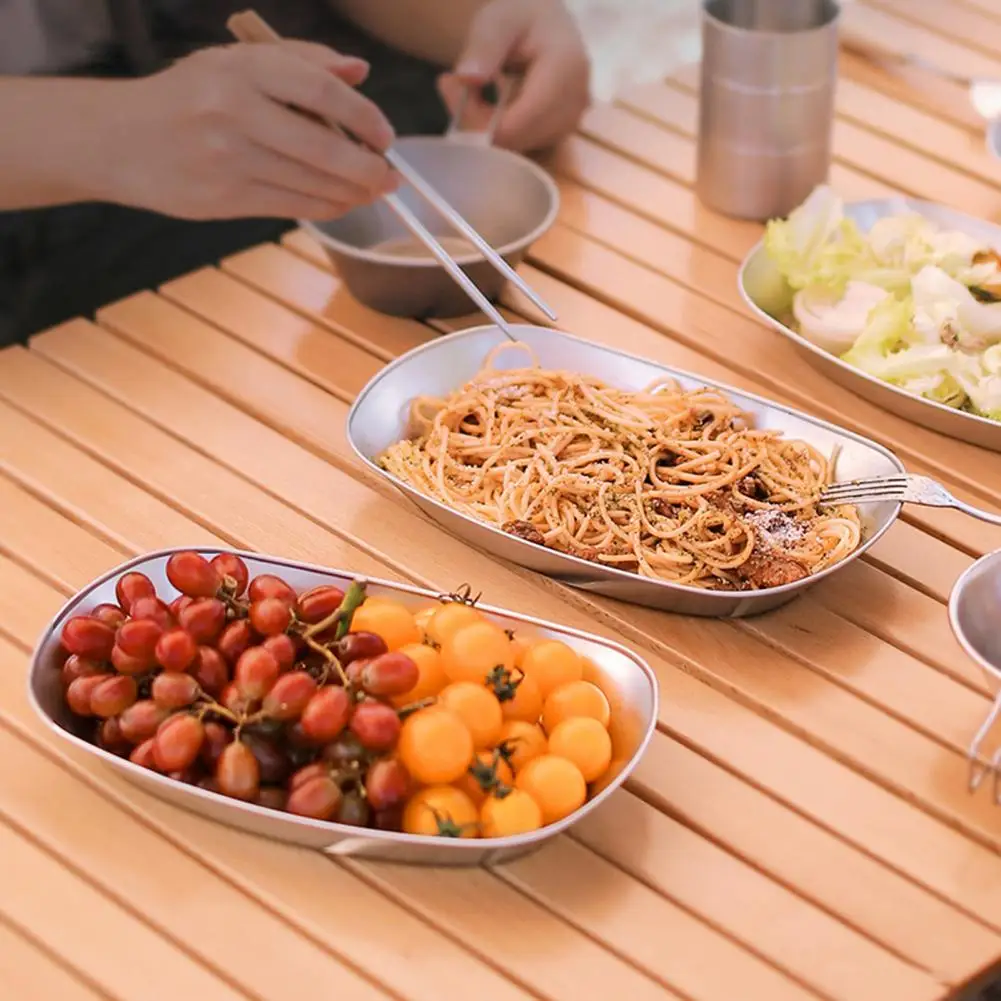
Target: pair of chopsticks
point(249, 26)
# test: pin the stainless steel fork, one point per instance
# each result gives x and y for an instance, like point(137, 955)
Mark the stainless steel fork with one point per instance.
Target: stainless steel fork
point(906, 489)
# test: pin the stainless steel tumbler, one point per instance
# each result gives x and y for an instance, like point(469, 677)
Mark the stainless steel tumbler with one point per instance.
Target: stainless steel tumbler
point(766, 111)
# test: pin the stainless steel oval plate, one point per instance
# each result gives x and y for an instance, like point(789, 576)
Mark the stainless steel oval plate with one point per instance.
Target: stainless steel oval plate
point(379, 418)
point(766, 293)
point(627, 681)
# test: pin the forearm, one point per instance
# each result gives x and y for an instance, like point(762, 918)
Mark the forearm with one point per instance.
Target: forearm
point(434, 30)
point(58, 140)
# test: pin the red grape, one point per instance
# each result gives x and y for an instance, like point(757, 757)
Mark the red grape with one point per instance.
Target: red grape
point(232, 699)
point(76, 667)
point(283, 649)
point(235, 638)
point(210, 671)
point(359, 646)
point(111, 615)
point(142, 755)
point(298, 741)
point(176, 650)
point(315, 605)
point(347, 750)
point(177, 743)
point(204, 618)
point(388, 820)
point(273, 763)
point(186, 775)
point(390, 674)
point(354, 670)
point(112, 695)
point(88, 637)
point(230, 565)
point(318, 798)
point(132, 586)
point(305, 774)
point(267, 585)
point(237, 772)
point(141, 721)
point(376, 725)
point(79, 693)
point(193, 575)
point(138, 639)
point(109, 736)
point(255, 672)
point(216, 739)
point(353, 810)
point(209, 784)
point(174, 690)
point(326, 714)
point(387, 784)
point(178, 605)
point(270, 616)
point(152, 608)
point(289, 696)
point(272, 797)
point(125, 664)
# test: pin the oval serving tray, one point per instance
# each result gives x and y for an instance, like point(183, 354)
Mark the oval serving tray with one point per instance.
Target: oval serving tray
point(627, 681)
point(380, 413)
point(768, 296)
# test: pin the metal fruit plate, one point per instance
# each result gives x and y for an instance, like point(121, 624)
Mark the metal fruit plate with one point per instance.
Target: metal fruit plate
point(769, 298)
point(627, 681)
point(380, 414)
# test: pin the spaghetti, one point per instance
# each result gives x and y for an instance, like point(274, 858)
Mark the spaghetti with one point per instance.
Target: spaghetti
point(669, 483)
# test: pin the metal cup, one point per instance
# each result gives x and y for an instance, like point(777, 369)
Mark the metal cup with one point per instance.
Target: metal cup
point(508, 200)
point(766, 111)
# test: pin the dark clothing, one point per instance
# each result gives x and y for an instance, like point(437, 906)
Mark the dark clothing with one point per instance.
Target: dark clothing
point(57, 263)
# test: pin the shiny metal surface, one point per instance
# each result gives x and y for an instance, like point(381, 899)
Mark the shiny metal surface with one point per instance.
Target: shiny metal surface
point(974, 614)
point(379, 418)
point(626, 680)
point(509, 200)
point(766, 105)
point(769, 298)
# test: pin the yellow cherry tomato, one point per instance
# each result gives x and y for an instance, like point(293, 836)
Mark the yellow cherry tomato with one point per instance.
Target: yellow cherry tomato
point(552, 663)
point(555, 784)
point(446, 620)
point(526, 702)
point(472, 652)
point(519, 646)
point(478, 708)
point(515, 813)
point(585, 742)
point(391, 620)
point(431, 675)
point(488, 772)
point(423, 617)
point(575, 698)
point(435, 746)
point(442, 811)
point(523, 742)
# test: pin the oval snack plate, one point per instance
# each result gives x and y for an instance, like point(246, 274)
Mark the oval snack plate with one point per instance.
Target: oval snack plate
point(380, 417)
point(627, 681)
point(766, 293)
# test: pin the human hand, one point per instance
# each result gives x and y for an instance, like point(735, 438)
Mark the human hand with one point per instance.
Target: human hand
point(539, 40)
point(216, 136)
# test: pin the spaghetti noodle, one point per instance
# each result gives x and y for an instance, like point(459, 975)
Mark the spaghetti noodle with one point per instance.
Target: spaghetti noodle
point(669, 483)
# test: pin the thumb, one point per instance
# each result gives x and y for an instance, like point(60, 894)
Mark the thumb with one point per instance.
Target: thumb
point(493, 37)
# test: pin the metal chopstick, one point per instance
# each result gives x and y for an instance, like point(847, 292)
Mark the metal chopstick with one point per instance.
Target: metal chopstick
point(249, 26)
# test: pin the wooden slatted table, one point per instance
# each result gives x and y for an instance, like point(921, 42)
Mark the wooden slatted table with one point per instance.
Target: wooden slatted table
point(800, 828)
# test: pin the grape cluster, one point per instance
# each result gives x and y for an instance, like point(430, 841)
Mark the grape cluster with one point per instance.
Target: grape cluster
point(246, 688)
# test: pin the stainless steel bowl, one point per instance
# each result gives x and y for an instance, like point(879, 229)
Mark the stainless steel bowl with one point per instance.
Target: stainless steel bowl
point(627, 681)
point(379, 418)
point(975, 617)
point(508, 199)
point(770, 298)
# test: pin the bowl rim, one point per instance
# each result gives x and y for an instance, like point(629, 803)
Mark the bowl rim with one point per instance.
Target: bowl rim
point(343, 249)
point(955, 600)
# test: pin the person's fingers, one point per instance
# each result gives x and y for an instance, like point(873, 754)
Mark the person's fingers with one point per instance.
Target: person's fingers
point(294, 136)
point(493, 37)
point(271, 201)
point(290, 79)
point(477, 113)
point(351, 69)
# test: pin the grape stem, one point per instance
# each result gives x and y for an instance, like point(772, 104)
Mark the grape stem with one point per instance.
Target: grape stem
point(341, 616)
point(331, 662)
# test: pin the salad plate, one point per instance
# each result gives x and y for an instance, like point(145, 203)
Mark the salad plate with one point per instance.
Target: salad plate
point(872, 294)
